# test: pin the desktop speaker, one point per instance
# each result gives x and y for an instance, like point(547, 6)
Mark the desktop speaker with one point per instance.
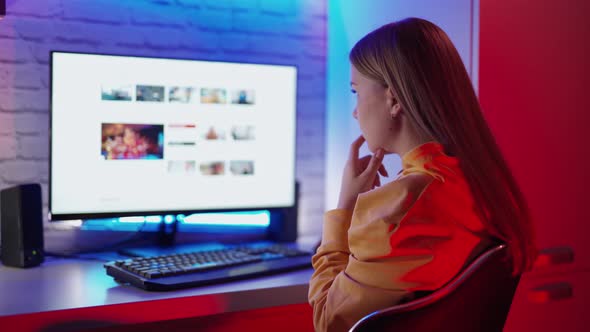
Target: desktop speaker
point(283, 222)
point(22, 225)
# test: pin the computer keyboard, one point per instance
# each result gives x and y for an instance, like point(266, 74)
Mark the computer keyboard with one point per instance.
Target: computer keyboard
point(191, 269)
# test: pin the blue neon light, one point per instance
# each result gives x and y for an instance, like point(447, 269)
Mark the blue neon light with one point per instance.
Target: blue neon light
point(249, 218)
point(243, 218)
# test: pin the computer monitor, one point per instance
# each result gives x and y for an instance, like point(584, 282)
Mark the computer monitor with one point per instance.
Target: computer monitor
point(144, 136)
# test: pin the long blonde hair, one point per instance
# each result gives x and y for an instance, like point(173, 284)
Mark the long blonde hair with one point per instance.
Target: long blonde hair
point(418, 61)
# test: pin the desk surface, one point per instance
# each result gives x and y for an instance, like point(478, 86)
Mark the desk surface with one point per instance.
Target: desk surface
point(62, 293)
point(74, 283)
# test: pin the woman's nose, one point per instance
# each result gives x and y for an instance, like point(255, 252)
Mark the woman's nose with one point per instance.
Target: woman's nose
point(355, 114)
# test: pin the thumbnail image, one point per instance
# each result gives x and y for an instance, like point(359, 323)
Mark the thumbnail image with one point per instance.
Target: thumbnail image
point(180, 94)
point(132, 141)
point(242, 96)
point(181, 166)
point(149, 93)
point(212, 168)
point(241, 167)
point(213, 96)
point(214, 133)
point(110, 92)
point(242, 133)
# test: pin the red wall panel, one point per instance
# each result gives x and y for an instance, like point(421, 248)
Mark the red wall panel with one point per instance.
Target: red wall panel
point(534, 86)
point(535, 90)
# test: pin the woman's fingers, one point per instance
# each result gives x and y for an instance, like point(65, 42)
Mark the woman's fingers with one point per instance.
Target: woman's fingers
point(354, 148)
point(374, 164)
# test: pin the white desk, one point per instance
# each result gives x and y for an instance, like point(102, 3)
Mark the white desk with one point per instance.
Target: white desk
point(62, 290)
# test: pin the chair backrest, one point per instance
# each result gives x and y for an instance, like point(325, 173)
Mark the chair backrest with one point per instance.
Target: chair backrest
point(477, 299)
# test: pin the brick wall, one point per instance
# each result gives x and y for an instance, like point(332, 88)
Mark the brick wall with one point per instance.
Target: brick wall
point(289, 32)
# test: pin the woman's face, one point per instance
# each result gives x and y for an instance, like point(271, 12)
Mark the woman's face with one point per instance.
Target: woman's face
point(372, 111)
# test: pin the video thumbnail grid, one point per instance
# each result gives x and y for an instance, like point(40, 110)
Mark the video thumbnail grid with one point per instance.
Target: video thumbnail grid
point(127, 141)
point(177, 94)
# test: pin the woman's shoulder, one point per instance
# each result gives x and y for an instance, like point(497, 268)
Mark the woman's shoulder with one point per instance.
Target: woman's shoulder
point(393, 198)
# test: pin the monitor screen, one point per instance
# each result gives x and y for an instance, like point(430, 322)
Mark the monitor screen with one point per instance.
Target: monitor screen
point(136, 135)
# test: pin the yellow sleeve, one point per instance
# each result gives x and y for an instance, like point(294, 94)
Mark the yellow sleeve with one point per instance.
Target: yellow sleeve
point(330, 260)
point(351, 279)
point(339, 301)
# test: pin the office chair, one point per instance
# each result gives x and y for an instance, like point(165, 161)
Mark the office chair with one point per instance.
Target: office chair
point(477, 299)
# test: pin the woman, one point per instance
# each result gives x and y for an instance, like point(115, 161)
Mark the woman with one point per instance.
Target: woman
point(453, 198)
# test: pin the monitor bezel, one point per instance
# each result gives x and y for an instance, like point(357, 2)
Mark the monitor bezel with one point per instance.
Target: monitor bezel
point(105, 215)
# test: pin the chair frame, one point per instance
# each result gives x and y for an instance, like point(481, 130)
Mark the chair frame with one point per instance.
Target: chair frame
point(439, 294)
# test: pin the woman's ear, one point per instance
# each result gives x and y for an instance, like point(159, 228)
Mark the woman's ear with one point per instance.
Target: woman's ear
point(395, 110)
point(392, 103)
point(389, 97)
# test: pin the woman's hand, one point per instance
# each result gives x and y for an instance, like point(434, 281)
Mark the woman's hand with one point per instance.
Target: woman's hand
point(359, 175)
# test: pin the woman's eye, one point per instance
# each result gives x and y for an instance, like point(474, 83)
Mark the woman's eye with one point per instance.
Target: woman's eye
point(353, 91)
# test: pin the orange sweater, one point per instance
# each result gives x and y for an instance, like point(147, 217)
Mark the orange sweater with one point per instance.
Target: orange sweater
point(412, 234)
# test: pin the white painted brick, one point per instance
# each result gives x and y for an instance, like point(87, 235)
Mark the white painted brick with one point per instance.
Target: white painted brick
point(35, 8)
point(306, 153)
point(84, 33)
point(211, 20)
point(19, 171)
point(245, 5)
point(28, 77)
point(6, 75)
point(35, 29)
point(158, 15)
point(200, 40)
point(164, 2)
point(7, 124)
point(44, 75)
point(219, 4)
point(312, 88)
point(7, 147)
point(311, 67)
point(313, 175)
point(24, 100)
point(44, 171)
point(308, 200)
point(130, 37)
point(15, 51)
point(309, 186)
point(33, 147)
point(308, 27)
point(311, 128)
point(310, 109)
point(284, 7)
point(7, 27)
point(308, 165)
point(189, 3)
point(31, 123)
point(21, 76)
point(316, 49)
point(311, 141)
point(235, 42)
point(276, 45)
point(41, 50)
point(309, 8)
point(113, 12)
point(313, 151)
point(165, 38)
point(44, 194)
point(252, 23)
